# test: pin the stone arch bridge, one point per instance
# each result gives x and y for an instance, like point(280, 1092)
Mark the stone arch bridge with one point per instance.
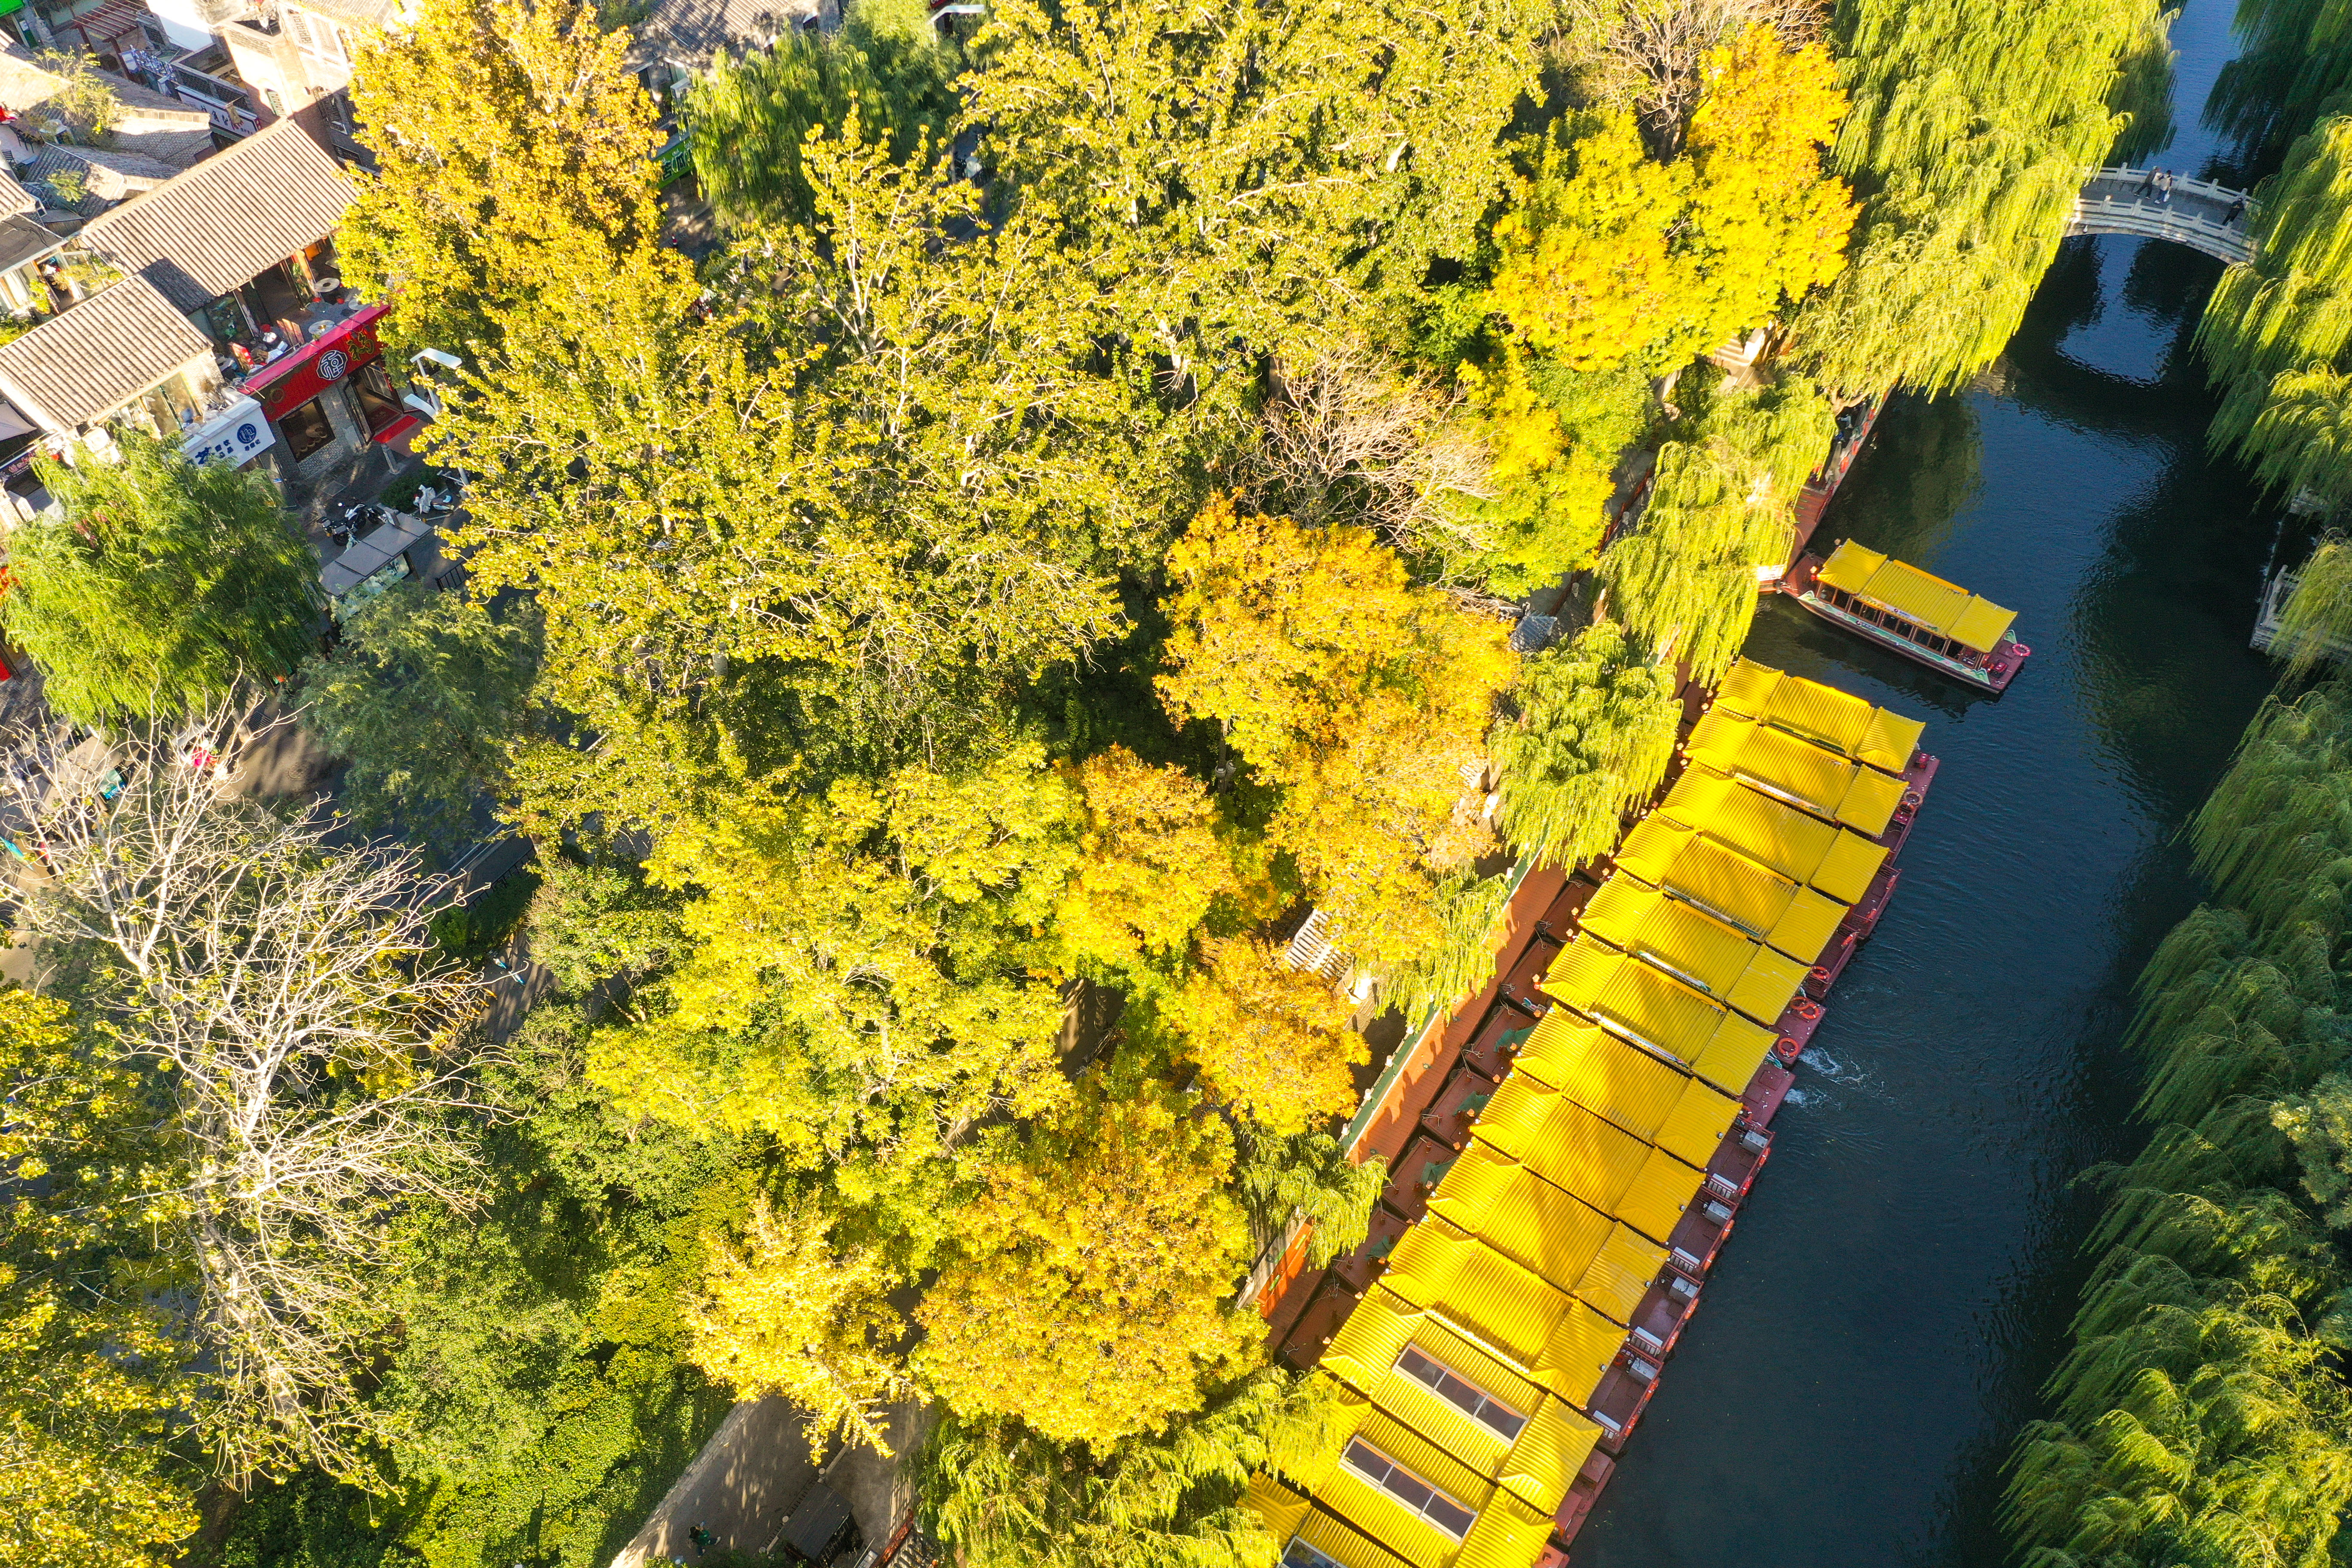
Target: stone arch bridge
point(2120, 201)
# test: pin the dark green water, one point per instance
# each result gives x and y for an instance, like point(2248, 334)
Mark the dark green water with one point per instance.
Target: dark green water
point(1900, 1283)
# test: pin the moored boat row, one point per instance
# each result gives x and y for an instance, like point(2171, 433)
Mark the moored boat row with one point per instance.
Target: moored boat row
point(1576, 1157)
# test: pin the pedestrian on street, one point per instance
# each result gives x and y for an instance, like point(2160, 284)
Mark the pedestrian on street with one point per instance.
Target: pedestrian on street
point(701, 1539)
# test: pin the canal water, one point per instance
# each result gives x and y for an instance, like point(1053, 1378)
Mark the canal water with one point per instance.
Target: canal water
point(1900, 1281)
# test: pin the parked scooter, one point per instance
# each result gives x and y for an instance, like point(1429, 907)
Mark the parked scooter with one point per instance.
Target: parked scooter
point(350, 523)
point(437, 501)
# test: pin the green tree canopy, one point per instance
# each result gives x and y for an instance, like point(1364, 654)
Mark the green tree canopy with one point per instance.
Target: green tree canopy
point(1973, 124)
point(750, 113)
point(1246, 178)
point(508, 139)
point(1004, 1496)
point(1722, 504)
point(2274, 326)
point(1594, 730)
point(424, 695)
point(161, 586)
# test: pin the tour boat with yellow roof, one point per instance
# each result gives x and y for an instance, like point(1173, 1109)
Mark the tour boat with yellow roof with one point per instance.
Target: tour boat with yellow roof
point(1898, 607)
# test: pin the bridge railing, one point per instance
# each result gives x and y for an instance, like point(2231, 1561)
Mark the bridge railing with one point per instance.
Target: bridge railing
point(2182, 185)
point(2118, 201)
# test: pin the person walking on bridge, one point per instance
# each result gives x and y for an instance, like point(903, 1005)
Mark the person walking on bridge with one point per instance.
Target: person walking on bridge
point(2163, 188)
point(2237, 210)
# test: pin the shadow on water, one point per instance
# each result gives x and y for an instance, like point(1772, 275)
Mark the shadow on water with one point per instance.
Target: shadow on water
point(1900, 1281)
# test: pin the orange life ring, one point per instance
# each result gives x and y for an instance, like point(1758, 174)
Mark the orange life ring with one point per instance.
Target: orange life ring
point(2020, 649)
point(1809, 1011)
point(1820, 972)
point(1912, 798)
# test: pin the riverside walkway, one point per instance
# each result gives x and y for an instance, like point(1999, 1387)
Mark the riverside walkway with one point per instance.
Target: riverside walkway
point(2120, 201)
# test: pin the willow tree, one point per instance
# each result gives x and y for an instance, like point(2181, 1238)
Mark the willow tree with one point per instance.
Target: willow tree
point(886, 64)
point(2316, 620)
point(1723, 504)
point(2295, 57)
point(2290, 309)
point(160, 585)
point(2198, 1415)
point(2300, 440)
point(1972, 126)
point(1004, 1496)
point(1592, 735)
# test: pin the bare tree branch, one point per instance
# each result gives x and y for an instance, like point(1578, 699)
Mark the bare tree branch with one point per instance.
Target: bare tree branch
point(1350, 440)
point(1650, 51)
point(315, 1046)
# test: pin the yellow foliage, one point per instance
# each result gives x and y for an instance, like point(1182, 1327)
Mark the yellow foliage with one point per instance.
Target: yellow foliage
point(92, 1381)
point(1269, 1040)
point(1584, 274)
point(1767, 223)
point(508, 137)
point(1090, 1298)
point(867, 963)
point(1609, 256)
point(789, 1313)
point(1364, 698)
point(1151, 862)
point(1275, 626)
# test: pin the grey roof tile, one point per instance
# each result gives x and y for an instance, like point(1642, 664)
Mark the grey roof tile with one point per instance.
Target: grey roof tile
point(76, 368)
point(202, 233)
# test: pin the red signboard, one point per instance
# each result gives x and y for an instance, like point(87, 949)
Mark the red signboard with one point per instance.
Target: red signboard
point(317, 365)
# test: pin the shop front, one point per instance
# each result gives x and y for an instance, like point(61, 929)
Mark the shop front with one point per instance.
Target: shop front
point(332, 397)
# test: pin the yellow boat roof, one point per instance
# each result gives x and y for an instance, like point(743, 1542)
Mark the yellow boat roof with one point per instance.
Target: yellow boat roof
point(1722, 883)
point(1508, 1533)
point(1795, 771)
point(1536, 1466)
point(1652, 1187)
point(1383, 1324)
point(1683, 1115)
point(1345, 1544)
point(1566, 1144)
point(1659, 1013)
point(1945, 608)
point(1822, 715)
point(1780, 838)
point(1697, 948)
point(1379, 1514)
point(1537, 1225)
point(1550, 1337)
point(1548, 1231)
point(1662, 1190)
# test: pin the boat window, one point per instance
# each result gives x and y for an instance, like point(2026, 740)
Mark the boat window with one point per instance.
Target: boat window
point(1939, 645)
point(1408, 1489)
point(1472, 1400)
point(1302, 1555)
